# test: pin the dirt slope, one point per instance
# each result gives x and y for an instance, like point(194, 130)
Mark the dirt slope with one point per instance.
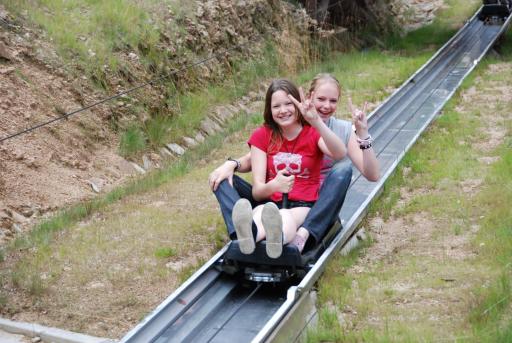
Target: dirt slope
point(74, 159)
point(52, 166)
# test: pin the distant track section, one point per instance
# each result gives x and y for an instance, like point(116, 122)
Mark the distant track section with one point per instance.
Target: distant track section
point(214, 307)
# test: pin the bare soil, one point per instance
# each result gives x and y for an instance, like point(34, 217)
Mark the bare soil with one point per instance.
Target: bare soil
point(53, 166)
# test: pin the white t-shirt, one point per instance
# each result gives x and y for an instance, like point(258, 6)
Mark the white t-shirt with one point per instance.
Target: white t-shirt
point(343, 129)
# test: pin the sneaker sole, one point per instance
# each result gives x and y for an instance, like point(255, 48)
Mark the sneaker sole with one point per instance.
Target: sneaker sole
point(242, 220)
point(273, 224)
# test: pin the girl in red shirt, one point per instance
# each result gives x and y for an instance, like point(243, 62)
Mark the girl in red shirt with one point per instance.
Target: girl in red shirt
point(286, 157)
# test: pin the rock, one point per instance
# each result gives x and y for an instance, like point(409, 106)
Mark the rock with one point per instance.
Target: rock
point(16, 228)
point(96, 184)
point(218, 119)
point(154, 157)
point(138, 168)
point(244, 108)
point(232, 108)
point(175, 148)
point(224, 113)
point(361, 235)
point(5, 71)
point(146, 162)
point(189, 142)
point(253, 95)
point(95, 285)
point(256, 107)
point(29, 210)
point(210, 127)
point(165, 153)
point(4, 52)
point(36, 339)
point(125, 167)
point(199, 137)
point(175, 265)
point(18, 218)
point(4, 214)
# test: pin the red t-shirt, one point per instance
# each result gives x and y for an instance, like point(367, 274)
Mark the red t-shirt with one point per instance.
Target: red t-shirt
point(301, 157)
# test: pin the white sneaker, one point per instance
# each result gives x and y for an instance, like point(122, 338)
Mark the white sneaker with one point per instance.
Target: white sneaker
point(242, 220)
point(273, 225)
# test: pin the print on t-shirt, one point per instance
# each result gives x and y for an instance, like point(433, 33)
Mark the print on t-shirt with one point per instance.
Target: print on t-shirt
point(292, 163)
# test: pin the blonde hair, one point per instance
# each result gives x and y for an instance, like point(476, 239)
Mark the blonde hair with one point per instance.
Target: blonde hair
point(323, 78)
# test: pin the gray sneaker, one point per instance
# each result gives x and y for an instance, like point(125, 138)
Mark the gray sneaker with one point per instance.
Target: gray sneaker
point(242, 220)
point(273, 224)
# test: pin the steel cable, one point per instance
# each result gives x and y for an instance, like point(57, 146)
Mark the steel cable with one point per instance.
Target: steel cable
point(145, 84)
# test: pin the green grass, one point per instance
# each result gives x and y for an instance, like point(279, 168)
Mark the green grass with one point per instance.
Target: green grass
point(364, 75)
point(42, 235)
point(493, 301)
point(193, 107)
point(93, 31)
point(165, 252)
point(368, 75)
point(443, 158)
point(445, 25)
point(132, 141)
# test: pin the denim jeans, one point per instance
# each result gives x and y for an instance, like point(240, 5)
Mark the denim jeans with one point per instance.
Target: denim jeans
point(322, 215)
point(330, 199)
point(228, 195)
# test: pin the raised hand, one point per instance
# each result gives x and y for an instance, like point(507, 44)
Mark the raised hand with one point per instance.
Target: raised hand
point(359, 118)
point(306, 107)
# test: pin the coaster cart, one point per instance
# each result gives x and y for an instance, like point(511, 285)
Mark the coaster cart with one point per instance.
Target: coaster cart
point(258, 267)
point(494, 10)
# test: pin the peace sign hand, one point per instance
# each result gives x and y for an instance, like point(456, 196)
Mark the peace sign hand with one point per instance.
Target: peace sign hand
point(359, 118)
point(306, 107)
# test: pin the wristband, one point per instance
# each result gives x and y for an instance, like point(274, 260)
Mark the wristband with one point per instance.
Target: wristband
point(365, 146)
point(238, 164)
point(365, 143)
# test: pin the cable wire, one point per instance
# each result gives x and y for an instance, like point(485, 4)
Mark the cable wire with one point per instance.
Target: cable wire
point(130, 90)
point(67, 115)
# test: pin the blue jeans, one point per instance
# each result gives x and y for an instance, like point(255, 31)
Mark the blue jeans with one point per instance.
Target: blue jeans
point(322, 215)
point(330, 199)
point(228, 195)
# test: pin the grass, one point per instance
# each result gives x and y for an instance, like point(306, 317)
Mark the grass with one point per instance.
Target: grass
point(93, 31)
point(95, 37)
point(132, 141)
point(42, 240)
point(91, 245)
point(492, 301)
point(443, 28)
point(165, 252)
point(382, 302)
point(369, 75)
point(43, 233)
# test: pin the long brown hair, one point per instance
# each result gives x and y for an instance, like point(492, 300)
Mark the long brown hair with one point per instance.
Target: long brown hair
point(289, 88)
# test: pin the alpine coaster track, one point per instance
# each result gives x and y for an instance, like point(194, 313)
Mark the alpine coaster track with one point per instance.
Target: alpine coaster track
point(213, 306)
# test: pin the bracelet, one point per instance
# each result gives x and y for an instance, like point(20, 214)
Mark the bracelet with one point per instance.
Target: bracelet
point(365, 146)
point(368, 139)
point(238, 164)
point(365, 143)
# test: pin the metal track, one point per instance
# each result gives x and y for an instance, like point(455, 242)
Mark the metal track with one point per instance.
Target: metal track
point(214, 307)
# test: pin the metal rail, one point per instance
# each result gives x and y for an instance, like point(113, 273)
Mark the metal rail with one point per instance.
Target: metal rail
point(214, 307)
